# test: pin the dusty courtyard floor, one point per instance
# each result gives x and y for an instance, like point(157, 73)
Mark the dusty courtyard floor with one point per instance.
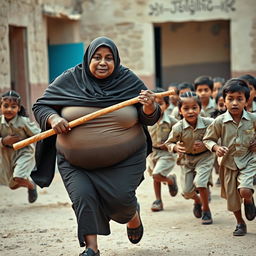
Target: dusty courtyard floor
point(48, 227)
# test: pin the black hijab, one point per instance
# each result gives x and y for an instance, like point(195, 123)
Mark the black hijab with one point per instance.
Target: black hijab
point(78, 87)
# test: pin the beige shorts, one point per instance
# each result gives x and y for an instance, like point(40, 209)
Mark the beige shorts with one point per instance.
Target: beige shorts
point(196, 173)
point(232, 181)
point(16, 164)
point(160, 162)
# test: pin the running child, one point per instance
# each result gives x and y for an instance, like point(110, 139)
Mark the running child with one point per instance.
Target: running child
point(236, 131)
point(16, 166)
point(160, 162)
point(195, 159)
point(204, 88)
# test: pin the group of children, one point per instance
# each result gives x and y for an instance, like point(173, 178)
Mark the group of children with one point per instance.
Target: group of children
point(200, 130)
point(206, 124)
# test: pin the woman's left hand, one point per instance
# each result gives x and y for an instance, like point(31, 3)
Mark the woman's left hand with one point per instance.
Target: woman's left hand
point(147, 99)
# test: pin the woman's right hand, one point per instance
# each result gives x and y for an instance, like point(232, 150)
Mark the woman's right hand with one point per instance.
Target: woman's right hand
point(59, 124)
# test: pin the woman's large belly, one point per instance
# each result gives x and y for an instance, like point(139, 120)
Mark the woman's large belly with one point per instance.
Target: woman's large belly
point(101, 142)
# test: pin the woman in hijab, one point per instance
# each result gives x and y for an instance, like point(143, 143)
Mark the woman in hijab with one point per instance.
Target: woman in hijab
point(102, 161)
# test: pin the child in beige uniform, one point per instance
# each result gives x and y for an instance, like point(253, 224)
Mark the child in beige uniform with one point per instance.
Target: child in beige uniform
point(16, 166)
point(195, 159)
point(204, 88)
point(236, 131)
point(182, 88)
point(160, 162)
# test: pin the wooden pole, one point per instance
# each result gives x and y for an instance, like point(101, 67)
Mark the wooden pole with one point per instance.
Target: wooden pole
point(83, 119)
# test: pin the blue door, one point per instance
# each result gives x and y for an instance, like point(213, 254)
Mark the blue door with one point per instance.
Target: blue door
point(62, 57)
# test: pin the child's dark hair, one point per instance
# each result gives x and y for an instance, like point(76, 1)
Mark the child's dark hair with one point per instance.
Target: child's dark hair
point(202, 80)
point(189, 95)
point(249, 79)
point(165, 98)
point(15, 97)
point(218, 79)
point(173, 84)
point(186, 85)
point(219, 95)
point(236, 85)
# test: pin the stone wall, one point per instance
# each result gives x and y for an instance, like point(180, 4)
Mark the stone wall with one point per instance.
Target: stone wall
point(253, 41)
point(130, 24)
point(4, 60)
point(23, 13)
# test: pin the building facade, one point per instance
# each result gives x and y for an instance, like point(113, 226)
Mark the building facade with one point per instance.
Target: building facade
point(162, 41)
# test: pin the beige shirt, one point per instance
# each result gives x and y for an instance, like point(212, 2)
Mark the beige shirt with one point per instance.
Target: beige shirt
point(236, 137)
point(19, 125)
point(16, 163)
point(184, 132)
point(175, 113)
point(159, 132)
point(210, 108)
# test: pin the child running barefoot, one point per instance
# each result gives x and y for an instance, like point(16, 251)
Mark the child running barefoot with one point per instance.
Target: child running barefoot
point(160, 162)
point(16, 166)
point(236, 130)
point(195, 159)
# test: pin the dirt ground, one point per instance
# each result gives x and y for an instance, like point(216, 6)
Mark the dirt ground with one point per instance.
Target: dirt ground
point(48, 226)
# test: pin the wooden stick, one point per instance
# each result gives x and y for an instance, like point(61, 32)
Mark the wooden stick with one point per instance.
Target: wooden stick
point(83, 119)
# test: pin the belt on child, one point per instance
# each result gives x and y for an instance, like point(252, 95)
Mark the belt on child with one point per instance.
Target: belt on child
point(197, 154)
point(158, 148)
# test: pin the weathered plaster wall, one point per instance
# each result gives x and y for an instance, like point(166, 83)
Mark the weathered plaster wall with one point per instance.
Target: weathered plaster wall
point(121, 20)
point(24, 13)
point(4, 60)
point(130, 24)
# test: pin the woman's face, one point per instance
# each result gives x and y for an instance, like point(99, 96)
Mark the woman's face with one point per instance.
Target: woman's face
point(102, 63)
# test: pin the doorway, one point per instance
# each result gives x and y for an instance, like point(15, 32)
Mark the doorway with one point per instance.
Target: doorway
point(19, 64)
point(65, 50)
point(158, 62)
point(191, 49)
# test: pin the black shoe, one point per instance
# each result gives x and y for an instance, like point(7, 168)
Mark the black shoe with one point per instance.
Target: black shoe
point(240, 230)
point(250, 210)
point(137, 232)
point(32, 194)
point(90, 252)
point(206, 218)
point(173, 188)
point(157, 206)
point(197, 210)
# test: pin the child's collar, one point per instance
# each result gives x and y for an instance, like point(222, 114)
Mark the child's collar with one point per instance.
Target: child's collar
point(3, 121)
point(228, 117)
